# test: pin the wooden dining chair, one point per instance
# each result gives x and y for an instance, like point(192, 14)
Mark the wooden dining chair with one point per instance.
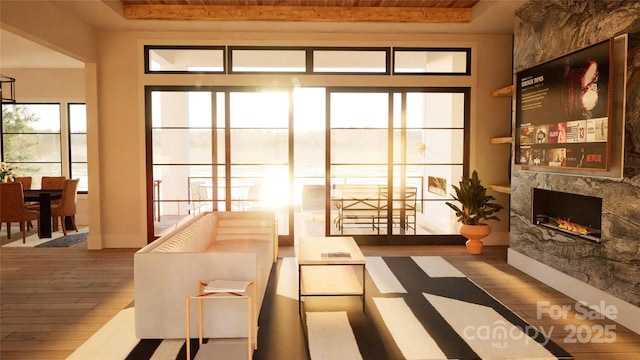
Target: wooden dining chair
point(67, 207)
point(52, 182)
point(26, 182)
point(13, 209)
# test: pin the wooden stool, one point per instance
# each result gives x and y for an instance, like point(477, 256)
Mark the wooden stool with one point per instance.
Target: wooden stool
point(221, 289)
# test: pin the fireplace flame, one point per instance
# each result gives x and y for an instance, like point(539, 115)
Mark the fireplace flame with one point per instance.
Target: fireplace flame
point(573, 227)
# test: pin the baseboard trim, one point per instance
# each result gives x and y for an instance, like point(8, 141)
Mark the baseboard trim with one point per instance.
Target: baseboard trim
point(627, 314)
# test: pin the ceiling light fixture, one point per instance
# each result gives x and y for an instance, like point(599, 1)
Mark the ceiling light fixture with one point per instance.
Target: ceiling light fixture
point(7, 82)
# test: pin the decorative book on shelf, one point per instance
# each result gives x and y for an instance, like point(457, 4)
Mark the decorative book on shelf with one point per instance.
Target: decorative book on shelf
point(340, 254)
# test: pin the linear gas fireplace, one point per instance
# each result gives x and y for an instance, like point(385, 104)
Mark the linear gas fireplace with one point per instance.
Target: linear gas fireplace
point(572, 214)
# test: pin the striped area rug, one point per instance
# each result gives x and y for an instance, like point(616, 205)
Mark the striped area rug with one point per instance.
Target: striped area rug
point(424, 308)
point(416, 308)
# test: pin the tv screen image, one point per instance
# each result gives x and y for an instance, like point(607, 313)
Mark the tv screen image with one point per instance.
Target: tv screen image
point(563, 111)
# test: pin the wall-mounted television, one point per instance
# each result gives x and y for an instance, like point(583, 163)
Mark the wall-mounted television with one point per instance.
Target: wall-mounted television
point(563, 111)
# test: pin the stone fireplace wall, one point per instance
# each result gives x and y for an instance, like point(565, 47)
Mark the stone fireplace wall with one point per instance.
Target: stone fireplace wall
point(545, 30)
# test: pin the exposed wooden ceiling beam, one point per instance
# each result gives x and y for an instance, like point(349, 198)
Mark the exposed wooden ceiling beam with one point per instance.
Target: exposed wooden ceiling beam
point(296, 13)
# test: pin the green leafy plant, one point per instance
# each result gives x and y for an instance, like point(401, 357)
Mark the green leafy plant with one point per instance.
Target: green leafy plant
point(476, 204)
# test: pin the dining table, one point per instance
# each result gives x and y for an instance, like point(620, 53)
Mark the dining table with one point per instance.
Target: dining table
point(44, 197)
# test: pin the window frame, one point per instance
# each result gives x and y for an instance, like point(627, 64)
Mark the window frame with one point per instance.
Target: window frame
point(466, 50)
point(231, 49)
point(149, 48)
point(69, 133)
point(64, 135)
point(390, 57)
point(59, 134)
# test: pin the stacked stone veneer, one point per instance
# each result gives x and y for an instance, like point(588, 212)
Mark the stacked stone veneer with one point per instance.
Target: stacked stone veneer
point(545, 30)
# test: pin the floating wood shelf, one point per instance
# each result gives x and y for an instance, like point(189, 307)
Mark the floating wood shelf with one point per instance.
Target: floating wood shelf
point(506, 91)
point(500, 140)
point(506, 189)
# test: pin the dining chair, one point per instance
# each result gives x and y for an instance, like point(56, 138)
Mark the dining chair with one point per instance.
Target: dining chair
point(199, 196)
point(13, 209)
point(67, 207)
point(53, 183)
point(26, 182)
point(198, 199)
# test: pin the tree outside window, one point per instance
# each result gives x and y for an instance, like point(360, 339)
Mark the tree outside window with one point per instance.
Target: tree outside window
point(31, 139)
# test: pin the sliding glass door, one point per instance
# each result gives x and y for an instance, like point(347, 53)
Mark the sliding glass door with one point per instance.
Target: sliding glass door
point(182, 140)
point(258, 153)
point(432, 152)
point(393, 157)
point(360, 139)
point(328, 161)
point(223, 150)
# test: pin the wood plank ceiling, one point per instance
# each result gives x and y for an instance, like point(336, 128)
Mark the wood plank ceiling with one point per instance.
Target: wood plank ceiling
point(416, 11)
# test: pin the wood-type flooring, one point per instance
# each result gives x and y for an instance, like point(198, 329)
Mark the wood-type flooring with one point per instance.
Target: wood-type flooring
point(54, 299)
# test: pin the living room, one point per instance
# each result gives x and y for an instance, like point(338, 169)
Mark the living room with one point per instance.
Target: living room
point(112, 83)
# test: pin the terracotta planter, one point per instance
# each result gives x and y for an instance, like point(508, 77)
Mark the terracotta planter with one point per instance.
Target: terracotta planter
point(475, 234)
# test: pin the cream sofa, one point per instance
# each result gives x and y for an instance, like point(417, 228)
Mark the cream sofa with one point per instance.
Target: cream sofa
point(211, 246)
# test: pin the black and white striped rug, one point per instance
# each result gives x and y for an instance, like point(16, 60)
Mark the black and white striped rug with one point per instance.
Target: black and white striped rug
point(416, 308)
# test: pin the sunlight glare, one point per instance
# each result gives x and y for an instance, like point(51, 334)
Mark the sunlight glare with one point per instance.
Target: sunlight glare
point(309, 109)
point(275, 192)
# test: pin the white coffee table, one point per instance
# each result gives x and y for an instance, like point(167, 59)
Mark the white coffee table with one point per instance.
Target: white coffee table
point(327, 266)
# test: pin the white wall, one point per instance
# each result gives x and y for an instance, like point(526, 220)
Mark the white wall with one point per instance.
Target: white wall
point(121, 110)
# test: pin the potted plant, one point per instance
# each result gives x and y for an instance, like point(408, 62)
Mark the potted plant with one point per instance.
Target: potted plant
point(476, 207)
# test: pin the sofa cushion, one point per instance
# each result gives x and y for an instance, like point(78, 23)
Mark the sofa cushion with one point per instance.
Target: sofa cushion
point(241, 246)
point(244, 229)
